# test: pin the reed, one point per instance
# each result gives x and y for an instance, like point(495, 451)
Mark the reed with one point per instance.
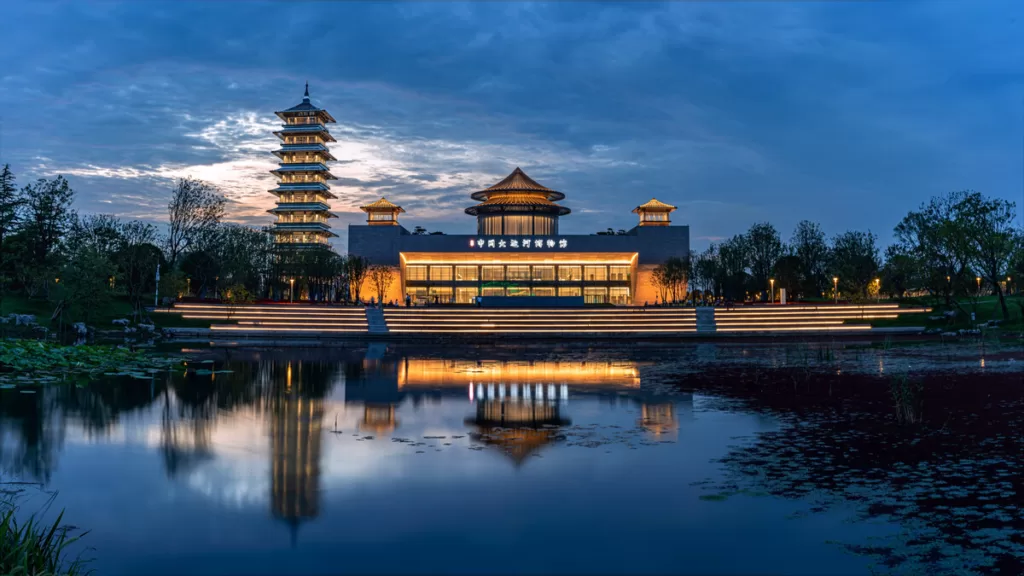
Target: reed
point(907, 395)
point(31, 548)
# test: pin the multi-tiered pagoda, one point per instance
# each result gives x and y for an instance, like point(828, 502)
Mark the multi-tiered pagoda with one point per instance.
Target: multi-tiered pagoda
point(302, 190)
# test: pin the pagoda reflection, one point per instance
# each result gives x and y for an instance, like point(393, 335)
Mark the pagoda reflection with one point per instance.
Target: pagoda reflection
point(296, 410)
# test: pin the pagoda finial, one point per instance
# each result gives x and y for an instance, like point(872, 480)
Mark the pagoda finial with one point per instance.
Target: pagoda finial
point(306, 95)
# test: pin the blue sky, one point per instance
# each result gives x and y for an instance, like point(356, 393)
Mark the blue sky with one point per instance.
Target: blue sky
point(848, 114)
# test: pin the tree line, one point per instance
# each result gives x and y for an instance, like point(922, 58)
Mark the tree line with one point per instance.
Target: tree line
point(953, 247)
point(80, 262)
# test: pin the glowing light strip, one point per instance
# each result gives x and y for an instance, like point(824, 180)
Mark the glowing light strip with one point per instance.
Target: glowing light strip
point(206, 316)
point(247, 329)
point(518, 262)
point(445, 331)
point(804, 329)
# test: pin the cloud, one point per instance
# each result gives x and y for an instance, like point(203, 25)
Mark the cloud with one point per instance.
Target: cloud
point(847, 114)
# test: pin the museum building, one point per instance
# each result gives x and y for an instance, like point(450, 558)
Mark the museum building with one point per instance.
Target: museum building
point(517, 250)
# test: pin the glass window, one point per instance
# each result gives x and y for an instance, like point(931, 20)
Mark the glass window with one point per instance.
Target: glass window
point(466, 295)
point(518, 225)
point(618, 295)
point(493, 273)
point(489, 225)
point(595, 273)
point(440, 273)
point(493, 291)
point(440, 294)
point(618, 272)
point(544, 291)
point(518, 272)
point(417, 295)
point(570, 291)
point(415, 272)
point(595, 295)
point(544, 273)
point(518, 290)
point(467, 273)
point(569, 274)
point(545, 226)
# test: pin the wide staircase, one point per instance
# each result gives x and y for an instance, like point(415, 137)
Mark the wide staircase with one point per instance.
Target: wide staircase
point(540, 320)
point(305, 320)
point(283, 319)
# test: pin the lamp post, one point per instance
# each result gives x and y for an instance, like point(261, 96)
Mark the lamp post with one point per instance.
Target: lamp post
point(772, 282)
point(291, 290)
point(188, 286)
point(835, 288)
point(1008, 280)
point(878, 290)
point(978, 278)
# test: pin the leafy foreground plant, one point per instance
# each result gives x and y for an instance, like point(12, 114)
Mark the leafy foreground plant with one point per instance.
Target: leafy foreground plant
point(33, 549)
point(33, 361)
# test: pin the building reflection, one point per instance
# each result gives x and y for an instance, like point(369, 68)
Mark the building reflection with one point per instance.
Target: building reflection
point(659, 420)
point(296, 421)
point(516, 419)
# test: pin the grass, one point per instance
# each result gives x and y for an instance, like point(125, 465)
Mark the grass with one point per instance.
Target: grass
point(101, 317)
point(987, 308)
point(35, 549)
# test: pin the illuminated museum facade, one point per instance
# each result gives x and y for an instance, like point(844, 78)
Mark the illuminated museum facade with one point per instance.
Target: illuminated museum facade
point(518, 251)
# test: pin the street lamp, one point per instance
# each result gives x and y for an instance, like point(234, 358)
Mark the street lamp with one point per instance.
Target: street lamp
point(291, 290)
point(835, 288)
point(979, 285)
point(878, 290)
point(772, 281)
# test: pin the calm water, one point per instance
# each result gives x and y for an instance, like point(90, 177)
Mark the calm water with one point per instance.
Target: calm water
point(387, 460)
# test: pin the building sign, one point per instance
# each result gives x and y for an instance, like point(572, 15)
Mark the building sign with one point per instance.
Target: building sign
point(525, 243)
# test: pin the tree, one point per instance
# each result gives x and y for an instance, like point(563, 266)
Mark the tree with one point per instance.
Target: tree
point(855, 261)
point(382, 277)
point(83, 288)
point(733, 260)
point(676, 276)
point(419, 231)
point(356, 268)
point(992, 239)
point(245, 256)
point(137, 258)
point(705, 270)
point(788, 275)
point(765, 250)
point(936, 237)
point(899, 273)
point(10, 204)
point(809, 246)
point(48, 218)
point(201, 271)
point(195, 211)
point(660, 281)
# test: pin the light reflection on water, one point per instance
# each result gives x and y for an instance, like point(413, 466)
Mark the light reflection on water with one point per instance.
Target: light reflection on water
point(377, 460)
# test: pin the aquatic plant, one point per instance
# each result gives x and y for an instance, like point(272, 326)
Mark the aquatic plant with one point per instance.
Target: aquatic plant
point(907, 394)
point(35, 549)
point(34, 360)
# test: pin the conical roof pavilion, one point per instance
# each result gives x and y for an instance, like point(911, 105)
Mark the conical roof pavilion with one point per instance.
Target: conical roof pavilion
point(517, 205)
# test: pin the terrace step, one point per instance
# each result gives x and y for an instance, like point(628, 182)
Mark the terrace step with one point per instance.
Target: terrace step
point(375, 321)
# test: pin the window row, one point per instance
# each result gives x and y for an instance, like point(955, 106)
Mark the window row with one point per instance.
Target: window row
point(517, 225)
point(467, 295)
point(490, 273)
point(302, 197)
point(288, 178)
point(304, 120)
point(303, 140)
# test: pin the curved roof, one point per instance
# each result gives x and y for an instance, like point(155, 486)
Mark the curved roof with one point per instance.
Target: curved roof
point(306, 106)
point(654, 205)
point(382, 205)
point(517, 181)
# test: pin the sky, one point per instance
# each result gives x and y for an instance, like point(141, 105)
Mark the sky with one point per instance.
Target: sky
point(849, 114)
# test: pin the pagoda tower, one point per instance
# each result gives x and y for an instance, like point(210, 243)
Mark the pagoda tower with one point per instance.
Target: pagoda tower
point(302, 191)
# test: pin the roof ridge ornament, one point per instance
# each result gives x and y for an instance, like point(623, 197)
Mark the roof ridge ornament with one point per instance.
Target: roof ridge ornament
point(306, 95)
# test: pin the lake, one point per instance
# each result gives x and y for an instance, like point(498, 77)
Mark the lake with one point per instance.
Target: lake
point(549, 458)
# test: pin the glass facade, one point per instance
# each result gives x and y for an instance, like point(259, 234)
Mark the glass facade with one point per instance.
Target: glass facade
point(462, 283)
point(504, 224)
